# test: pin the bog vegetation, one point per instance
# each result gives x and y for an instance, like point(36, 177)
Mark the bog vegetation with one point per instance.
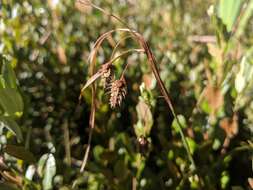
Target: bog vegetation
point(125, 94)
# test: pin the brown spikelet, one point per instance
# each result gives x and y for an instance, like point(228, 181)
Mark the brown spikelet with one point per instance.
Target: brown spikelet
point(118, 92)
point(107, 75)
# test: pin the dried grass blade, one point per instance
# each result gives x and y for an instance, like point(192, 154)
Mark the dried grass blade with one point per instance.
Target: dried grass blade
point(91, 80)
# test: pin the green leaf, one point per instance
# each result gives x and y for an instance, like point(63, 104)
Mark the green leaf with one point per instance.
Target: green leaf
point(97, 151)
point(224, 179)
point(9, 75)
point(216, 144)
point(244, 20)
point(2, 82)
point(192, 145)
point(49, 172)
point(181, 120)
point(30, 172)
point(7, 186)
point(239, 82)
point(228, 12)
point(11, 101)
point(20, 153)
point(171, 155)
point(41, 164)
point(244, 75)
point(120, 169)
point(237, 188)
point(145, 119)
point(11, 125)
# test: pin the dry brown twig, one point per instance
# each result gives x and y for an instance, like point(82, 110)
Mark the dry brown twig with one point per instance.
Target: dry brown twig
point(118, 87)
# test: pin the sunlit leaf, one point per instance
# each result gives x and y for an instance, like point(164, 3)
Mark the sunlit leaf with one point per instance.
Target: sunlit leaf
point(192, 144)
point(224, 179)
point(244, 75)
point(47, 166)
point(215, 52)
point(216, 144)
point(41, 164)
point(145, 116)
point(30, 172)
point(228, 12)
point(181, 120)
point(239, 82)
point(244, 20)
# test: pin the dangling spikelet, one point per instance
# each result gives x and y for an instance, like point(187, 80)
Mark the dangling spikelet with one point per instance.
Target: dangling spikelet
point(107, 75)
point(118, 92)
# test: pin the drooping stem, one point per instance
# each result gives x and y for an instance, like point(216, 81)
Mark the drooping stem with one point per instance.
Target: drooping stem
point(164, 92)
point(85, 159)
point(153, 64)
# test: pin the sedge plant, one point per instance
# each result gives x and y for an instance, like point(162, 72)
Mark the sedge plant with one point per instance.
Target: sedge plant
point(117, 88)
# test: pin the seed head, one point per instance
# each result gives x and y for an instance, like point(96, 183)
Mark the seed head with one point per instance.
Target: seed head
point(118, 92)
point(107, 75)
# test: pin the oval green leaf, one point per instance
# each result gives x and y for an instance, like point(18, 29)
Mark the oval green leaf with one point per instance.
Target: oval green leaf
point(11, 125)
point(11, 102)
point(20, 153)
point(49, 172)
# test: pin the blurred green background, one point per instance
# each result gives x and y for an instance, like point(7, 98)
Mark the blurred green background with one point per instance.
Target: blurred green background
point(204, 54)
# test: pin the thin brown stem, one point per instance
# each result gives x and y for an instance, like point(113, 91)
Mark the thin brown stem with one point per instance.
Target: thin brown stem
point(118, 44)
point(86, 155)
point(124, 70)
point(134, 183)
point(126, 52)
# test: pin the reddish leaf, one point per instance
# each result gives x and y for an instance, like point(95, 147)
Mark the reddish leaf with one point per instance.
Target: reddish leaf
point(230, 126)
point(214, 97)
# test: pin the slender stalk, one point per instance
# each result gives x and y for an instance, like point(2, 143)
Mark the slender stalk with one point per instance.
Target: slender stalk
point(118, 44)
point(28, 138)
point(86, 155)
point(110, 14)
point(66, 142)
point(91, 120)
point(134, 183)
point(126, 52)
point(93, 109)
